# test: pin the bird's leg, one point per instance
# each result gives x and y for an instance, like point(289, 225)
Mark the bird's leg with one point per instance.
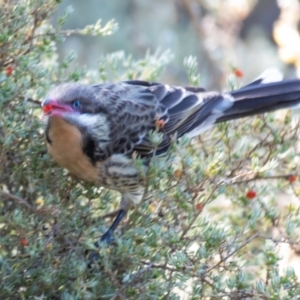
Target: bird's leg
point(108, 235)
point(124, 207)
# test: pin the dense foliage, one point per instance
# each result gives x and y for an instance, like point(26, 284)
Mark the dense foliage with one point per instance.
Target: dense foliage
point(210, 224)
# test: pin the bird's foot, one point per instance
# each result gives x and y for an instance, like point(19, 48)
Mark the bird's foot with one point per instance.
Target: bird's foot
point(92, 259)
point(107, 238)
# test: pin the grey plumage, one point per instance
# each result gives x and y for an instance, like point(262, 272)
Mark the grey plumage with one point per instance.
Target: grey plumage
point(93, 130)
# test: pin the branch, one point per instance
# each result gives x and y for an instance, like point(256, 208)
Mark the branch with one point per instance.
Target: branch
point(37, 102)
point(233, 252)
point(18, 200)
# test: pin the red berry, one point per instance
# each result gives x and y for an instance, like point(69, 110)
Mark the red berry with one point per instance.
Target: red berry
point(238, 73)
point(24, 242)
point(199, 206)
point(292, 178)
point(251, 194)
point(9, 70)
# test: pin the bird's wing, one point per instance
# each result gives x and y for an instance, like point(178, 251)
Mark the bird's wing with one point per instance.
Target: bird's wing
point(180, 110)
point(137, 107)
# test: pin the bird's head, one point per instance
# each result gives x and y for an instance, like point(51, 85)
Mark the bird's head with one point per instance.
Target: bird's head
point(70, 98)
point(79, 105)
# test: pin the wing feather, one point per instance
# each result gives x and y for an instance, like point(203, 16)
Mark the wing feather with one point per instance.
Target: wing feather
point(183, 110)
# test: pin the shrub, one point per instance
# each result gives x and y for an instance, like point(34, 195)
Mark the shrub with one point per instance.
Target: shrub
point(209, 225)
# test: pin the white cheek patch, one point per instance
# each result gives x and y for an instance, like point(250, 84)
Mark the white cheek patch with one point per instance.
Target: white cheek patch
point(96, 125)
point(88, 120)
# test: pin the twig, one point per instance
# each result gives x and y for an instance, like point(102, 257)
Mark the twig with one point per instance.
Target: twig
point(197, 215)
point(257, 177)
point(19, 200)
point(37, 102)
point(233, 252)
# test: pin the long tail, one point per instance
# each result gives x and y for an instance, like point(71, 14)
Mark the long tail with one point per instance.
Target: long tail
point(260, 98)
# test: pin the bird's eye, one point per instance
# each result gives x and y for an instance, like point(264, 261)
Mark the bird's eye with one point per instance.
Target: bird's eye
point(76, 104)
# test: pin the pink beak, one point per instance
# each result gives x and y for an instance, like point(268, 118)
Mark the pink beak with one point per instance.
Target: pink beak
point(52, 106)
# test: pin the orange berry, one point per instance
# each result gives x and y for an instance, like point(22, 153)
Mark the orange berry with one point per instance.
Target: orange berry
point(292, 178)
point(9, 70)
point(160, 123)
point(251, 194)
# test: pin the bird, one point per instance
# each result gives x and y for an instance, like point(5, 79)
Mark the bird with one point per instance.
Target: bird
point(96, 130)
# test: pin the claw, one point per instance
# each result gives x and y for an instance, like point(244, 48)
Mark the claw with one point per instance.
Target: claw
point(92, 259)
point(107, 238)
